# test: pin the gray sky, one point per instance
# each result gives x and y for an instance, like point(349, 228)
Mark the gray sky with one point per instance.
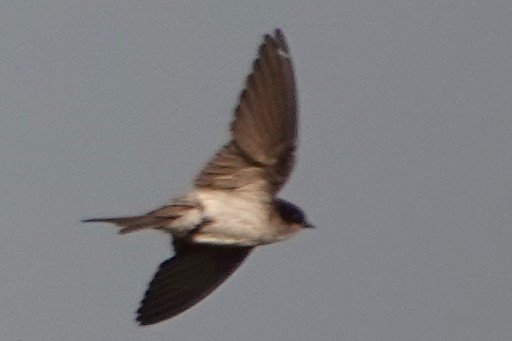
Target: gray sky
point(405, 166)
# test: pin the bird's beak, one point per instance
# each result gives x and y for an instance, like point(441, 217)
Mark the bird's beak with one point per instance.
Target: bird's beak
point(309, 226)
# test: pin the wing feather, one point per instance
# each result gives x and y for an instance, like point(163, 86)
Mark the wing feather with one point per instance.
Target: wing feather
point(264, 129)
point(188, 277)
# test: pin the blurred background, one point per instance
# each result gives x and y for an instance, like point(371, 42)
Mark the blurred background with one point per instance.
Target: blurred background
point(405, 166)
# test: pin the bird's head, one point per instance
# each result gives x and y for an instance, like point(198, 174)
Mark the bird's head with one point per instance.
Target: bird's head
point(292, 215)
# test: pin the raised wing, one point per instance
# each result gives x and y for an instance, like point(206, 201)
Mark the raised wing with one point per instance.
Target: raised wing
point(264, 130)
point(184, 280)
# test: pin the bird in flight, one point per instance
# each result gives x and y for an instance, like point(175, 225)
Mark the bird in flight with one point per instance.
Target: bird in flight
point(233, 205)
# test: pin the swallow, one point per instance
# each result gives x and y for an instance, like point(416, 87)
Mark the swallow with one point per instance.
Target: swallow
point(233, 206)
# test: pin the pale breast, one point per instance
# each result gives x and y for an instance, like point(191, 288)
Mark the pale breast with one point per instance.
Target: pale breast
point(233, 217)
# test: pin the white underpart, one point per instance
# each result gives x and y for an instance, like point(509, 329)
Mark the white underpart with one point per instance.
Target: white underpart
point(237, 219)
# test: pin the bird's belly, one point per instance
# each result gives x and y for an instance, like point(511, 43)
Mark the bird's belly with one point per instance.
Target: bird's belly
point(231, 219)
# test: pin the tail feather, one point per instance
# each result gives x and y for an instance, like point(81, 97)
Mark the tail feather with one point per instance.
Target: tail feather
point(156, 219)
point(134, 223)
